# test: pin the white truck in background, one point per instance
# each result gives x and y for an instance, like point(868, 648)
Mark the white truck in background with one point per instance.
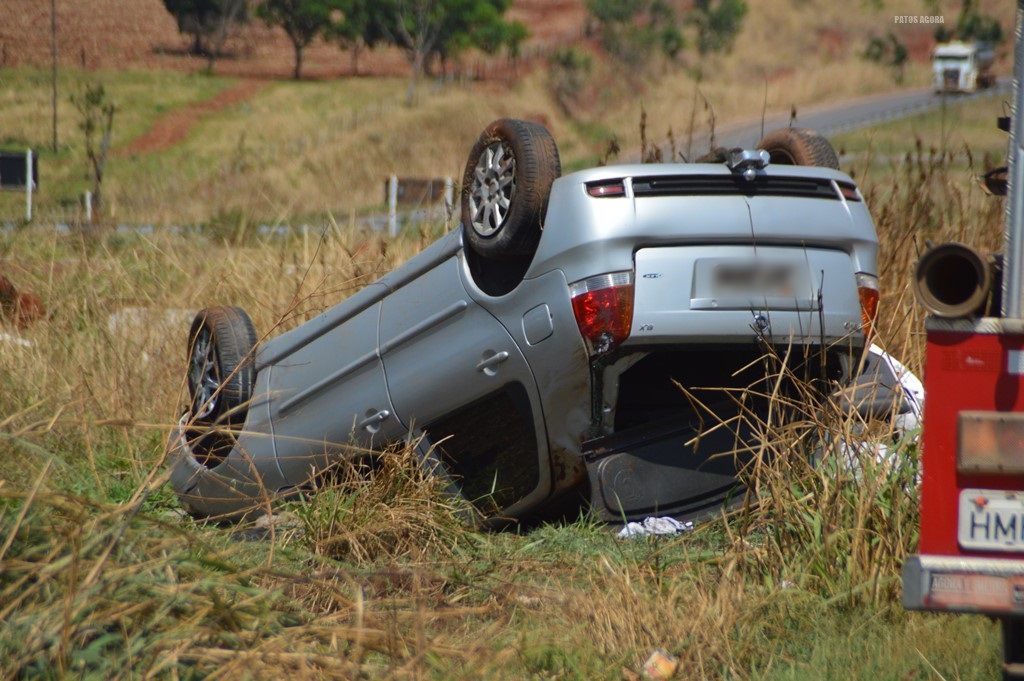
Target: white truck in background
point(963, 67)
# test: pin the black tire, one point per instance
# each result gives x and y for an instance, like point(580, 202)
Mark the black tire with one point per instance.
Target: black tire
point(536, 165)
point(220, 382)
point(799, 147)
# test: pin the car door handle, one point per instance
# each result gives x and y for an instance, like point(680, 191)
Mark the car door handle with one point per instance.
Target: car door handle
point(373, 420)
point(492, 361)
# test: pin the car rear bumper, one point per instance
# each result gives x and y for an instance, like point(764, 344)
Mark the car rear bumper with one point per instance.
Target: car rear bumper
point(990, 586)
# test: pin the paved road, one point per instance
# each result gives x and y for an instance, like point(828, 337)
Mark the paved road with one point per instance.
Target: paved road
point(831, 119)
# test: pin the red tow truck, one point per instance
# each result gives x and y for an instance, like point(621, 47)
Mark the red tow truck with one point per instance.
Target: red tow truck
point(971, 557)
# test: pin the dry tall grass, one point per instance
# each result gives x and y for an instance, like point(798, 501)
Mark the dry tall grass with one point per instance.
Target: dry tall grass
point(101, 575)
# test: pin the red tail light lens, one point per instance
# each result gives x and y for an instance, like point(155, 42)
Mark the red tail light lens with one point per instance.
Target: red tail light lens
point(606, 188)
point(867, 291)
point(603, 306)
point(849, 191)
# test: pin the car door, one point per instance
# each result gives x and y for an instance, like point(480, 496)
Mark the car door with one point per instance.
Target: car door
point(454, 372)
point(328, 390)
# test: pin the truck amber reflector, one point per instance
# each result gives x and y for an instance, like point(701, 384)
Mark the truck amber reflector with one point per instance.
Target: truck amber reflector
point(991, 442)
point(603, 306)
point(867, 291)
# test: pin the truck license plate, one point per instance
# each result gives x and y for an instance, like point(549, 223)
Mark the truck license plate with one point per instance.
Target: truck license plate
point(991, 520)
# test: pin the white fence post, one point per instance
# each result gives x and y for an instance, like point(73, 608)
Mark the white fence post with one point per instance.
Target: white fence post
point(88, 207)
point(449, 196)
point(393, 206)
point(28, 186)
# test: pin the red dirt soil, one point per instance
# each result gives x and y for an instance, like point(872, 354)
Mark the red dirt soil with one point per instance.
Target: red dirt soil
point(174, 126)
point(141, 33)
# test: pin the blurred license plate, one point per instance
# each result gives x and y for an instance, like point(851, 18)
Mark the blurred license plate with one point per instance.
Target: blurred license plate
point(991, 520)
point(759, 279)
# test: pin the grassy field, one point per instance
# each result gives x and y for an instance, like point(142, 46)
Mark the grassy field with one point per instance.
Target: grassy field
point(298, 151)
point(102, 576)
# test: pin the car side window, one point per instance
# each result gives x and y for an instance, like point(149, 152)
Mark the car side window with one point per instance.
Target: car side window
point(489, 447)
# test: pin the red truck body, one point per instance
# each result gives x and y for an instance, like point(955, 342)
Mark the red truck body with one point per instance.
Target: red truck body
point(973, 375)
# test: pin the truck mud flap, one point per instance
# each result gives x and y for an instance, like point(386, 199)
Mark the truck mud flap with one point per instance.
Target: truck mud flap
point(652, 471)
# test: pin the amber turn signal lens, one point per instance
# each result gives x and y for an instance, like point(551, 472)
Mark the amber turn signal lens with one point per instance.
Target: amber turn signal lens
point(867, 292)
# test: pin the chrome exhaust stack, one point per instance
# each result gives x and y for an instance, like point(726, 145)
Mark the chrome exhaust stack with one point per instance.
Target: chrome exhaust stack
point(954, 281)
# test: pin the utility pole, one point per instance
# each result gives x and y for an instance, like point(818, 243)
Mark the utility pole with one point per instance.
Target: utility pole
point(53, 63)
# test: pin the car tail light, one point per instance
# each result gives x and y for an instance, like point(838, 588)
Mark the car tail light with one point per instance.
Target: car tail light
point(603, 306)
point(848, 191)
point(990, 442)
point(606, 188)
point(867, 291)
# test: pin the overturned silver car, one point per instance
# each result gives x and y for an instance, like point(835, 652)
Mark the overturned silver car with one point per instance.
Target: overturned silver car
point(537, 352)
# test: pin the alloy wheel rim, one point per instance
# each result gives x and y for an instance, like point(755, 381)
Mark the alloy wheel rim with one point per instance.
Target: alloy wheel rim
point(202, 375)
point(494, 185)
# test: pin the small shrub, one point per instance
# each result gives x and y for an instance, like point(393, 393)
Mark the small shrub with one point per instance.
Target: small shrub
point(568, 73)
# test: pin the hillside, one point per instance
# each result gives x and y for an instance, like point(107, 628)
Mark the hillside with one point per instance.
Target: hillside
point(96, 34)
point(189, 148)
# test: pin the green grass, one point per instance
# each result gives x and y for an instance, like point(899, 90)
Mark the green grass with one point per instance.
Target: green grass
point(25, 100)
point(958, 127)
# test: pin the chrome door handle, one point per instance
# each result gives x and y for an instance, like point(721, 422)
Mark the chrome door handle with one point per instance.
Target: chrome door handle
point(373, 420)
point(492, 361)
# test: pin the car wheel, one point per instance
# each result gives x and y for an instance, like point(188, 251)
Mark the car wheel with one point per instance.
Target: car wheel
point(799, 147)
point(220, 379)
point(505, 188)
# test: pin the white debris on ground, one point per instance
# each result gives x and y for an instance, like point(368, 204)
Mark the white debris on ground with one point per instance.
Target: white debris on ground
point(912, 387)
point(14, 340)
point(660, 665)
point(650, 527)
point(906, 425)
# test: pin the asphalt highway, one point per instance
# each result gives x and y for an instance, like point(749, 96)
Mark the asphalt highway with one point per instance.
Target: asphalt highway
point(830, 119)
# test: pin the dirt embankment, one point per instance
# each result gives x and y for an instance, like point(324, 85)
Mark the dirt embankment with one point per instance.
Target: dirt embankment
point(174, 126)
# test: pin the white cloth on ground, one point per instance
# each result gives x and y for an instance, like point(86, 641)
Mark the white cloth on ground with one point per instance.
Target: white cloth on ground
point(654, 526)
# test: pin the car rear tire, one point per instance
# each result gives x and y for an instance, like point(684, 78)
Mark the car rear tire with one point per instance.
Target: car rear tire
point(220, 379)
point(799, 147)
point(506, 186)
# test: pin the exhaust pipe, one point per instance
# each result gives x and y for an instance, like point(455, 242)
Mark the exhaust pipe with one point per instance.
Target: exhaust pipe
point(953, 280)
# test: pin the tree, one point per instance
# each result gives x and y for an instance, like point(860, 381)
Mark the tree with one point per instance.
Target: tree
point(973, 25)
point(890, 52)
point(96, 111)
point(209, 22)
point(302, 20)
point(632, 31)
point(717, 23)
point(429, 29)
point(356, 25)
